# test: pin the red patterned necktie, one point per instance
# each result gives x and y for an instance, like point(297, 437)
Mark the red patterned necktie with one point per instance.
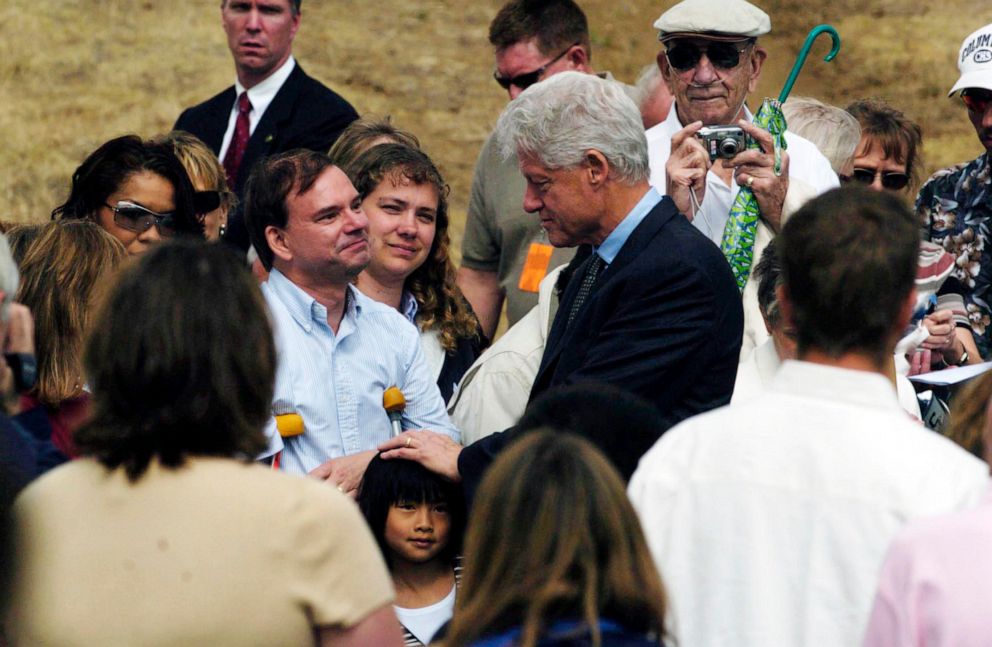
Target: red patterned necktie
point(239, 140)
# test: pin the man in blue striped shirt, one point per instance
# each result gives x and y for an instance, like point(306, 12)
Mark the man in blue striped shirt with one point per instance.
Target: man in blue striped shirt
point(338, 349)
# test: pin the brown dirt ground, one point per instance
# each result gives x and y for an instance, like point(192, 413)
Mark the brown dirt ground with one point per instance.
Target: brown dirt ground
point(74, 73)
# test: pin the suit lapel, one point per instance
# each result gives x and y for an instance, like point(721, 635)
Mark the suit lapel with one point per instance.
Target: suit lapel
point(215, 123)
point(267, 131)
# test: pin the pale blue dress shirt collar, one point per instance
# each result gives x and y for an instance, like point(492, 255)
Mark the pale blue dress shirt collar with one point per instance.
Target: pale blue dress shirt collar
point(618, 237)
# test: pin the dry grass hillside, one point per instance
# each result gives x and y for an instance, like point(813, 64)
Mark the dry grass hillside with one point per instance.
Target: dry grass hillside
point(74, 73)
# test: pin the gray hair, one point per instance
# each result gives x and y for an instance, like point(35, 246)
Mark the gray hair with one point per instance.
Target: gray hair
point(647, 83)
point(557, 120)
point(833, 130)
point(9, 277)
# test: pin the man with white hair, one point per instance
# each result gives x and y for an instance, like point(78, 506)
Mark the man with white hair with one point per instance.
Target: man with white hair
point(654, 309)
point(711, 62)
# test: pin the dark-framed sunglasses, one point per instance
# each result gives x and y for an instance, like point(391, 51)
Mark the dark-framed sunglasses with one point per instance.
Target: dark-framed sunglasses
point(138, 219)
point(891, 180)
point(527, 79)
point(206, 201)
point(977, 99)
point(685, 55)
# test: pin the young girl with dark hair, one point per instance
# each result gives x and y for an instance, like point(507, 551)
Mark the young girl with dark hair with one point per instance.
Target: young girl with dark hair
point(418, 520)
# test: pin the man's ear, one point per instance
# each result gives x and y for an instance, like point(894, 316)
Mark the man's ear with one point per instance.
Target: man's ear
point(785, 307)
point(279, 243)
point(597, 167)
point(756, 60)
point(578, 57)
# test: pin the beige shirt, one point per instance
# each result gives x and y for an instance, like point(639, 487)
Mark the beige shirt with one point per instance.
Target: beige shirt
point(213, 553)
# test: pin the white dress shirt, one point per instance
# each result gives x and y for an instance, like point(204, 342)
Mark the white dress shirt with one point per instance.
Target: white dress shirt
point(769, 519)
point(260, 96)
point(806, 162)
point(335, 382)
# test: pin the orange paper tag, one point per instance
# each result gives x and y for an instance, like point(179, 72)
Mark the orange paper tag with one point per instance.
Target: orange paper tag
point(535, 267)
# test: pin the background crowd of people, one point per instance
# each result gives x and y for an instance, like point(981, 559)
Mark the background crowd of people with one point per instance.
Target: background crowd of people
point(698, 429)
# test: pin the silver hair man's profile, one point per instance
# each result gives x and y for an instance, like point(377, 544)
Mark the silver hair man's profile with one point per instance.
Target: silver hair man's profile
point(557, 120)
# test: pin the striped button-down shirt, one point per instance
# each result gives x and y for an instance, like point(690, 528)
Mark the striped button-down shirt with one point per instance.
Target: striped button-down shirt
point(335, 382)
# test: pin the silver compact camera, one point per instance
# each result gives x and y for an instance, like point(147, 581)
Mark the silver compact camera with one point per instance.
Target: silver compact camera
point(722, 141)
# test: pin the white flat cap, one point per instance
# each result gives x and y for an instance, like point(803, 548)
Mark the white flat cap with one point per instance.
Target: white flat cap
point(713, 17)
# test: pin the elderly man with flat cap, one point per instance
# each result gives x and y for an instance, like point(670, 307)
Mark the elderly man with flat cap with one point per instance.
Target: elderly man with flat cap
point(711, 62)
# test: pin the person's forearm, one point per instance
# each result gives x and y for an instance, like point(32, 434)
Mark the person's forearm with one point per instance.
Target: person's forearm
point(483, 292)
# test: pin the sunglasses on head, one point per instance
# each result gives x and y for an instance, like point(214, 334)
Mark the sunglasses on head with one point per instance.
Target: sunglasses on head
point(136, 218)
point(977, 99)
point(206, 201)
point(685, 55)
point(892, 180)
point(527, 79)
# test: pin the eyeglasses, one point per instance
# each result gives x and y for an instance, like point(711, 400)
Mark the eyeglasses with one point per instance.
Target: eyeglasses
point(136, 218)
point(892, 180)
point(207, 201)
point(527, 79)
point(683, 55)
point(977, 99)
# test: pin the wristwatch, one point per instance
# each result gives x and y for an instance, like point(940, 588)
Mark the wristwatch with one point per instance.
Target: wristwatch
point(963, 359)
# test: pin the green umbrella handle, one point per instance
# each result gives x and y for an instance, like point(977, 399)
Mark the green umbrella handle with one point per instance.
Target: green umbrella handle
point(804, 52)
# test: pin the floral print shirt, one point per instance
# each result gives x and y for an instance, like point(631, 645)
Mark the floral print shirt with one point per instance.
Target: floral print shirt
point(955, 207)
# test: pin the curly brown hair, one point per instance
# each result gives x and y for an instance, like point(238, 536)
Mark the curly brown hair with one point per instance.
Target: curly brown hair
point(441, 306)
point(968, 415)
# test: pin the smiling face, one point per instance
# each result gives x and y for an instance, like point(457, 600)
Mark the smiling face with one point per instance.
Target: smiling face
point(260, 36)
point(417, 532)
point(402, 225)
point(709, 93)
point(568, 207)
point(147, 189)
point(325, 240)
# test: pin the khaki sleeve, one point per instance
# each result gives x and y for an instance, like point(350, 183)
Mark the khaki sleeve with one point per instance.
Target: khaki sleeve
point(340, 574)
point(481, 248)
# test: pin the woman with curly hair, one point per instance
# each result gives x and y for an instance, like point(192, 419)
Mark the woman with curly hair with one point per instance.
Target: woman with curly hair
point(406, 201)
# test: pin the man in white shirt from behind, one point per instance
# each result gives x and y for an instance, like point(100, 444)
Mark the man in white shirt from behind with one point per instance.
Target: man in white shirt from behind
point(711, 62)
point(769, 519)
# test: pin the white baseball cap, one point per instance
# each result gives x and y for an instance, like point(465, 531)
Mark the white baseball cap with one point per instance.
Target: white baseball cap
point(975, 61)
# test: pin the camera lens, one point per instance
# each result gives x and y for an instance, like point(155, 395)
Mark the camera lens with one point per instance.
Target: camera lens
point(728, 147)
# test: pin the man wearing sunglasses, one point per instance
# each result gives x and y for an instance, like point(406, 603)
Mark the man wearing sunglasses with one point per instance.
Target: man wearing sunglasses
point(504, 254)
point(272, 107)
point(711, 61)
point(955, 205)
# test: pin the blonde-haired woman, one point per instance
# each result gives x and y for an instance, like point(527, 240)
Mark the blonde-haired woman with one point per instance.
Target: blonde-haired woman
point(63, 271)
point(555, 554)
point(212, 200)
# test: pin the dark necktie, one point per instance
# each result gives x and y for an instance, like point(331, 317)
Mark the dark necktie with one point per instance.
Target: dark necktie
point(239, 141)
point(593, 269)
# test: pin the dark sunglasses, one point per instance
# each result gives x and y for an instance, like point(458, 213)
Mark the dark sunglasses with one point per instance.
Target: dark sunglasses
point(683, 56)
point(892, 180)
point(206, 201)
point(136, 218)
point(977, 99)
point(527, 79)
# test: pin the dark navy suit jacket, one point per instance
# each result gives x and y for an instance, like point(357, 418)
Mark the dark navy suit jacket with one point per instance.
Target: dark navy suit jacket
point(664, 321)
point(304, 114)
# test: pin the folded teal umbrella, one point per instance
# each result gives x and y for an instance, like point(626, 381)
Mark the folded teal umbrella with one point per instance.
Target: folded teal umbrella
point(737, 243)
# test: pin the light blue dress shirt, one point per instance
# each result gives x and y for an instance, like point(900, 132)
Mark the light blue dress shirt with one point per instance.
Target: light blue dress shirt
point(335, 382)
point(611, 246)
